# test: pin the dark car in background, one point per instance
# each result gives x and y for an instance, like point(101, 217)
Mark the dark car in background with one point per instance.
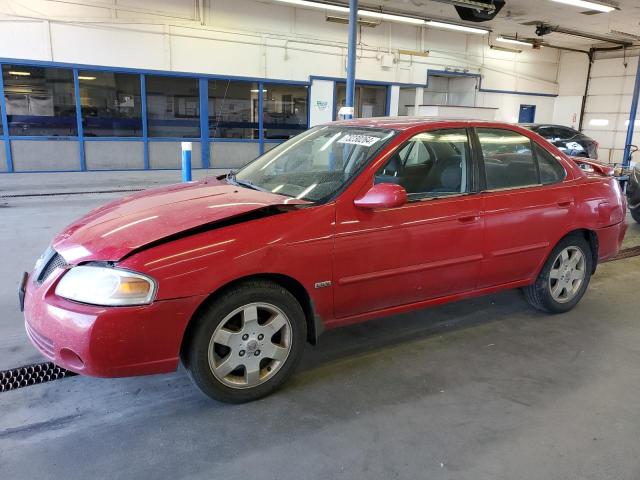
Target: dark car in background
point(633, 193)
point(567, 140)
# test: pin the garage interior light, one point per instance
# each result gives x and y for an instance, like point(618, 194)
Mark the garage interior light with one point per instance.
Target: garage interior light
point(514, 41)
point(598, 122)
point(391, 17)
point(322, 6)
point(453, 26)
point(599, 7)
point(255, 90)
point(504, 49)
point(19, 73)
point(82, 77)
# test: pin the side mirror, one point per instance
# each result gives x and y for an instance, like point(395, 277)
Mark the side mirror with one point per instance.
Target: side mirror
point(382, 195)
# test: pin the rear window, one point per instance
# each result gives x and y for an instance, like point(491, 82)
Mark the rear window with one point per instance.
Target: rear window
point(508, 159)
point(550, 169)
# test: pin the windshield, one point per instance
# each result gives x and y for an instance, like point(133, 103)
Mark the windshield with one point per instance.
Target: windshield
point(315, 164)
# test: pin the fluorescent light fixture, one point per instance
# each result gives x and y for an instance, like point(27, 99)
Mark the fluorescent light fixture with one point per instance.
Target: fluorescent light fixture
point(514, 41)
point(453, 26)
point(82, 77)
point(599, 7)
point(390, 17)
point(598, 122)
point(255, 90)
point(322, 6)
point(504, 49)
point(19, 73)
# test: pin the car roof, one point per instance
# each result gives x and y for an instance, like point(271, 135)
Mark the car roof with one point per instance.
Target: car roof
point(406, 123)
point(538, 125)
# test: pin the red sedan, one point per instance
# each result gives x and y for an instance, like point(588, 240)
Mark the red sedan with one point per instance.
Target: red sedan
point(343, 223)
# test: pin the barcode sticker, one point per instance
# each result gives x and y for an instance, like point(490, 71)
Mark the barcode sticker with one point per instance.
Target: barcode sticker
point(354, 139)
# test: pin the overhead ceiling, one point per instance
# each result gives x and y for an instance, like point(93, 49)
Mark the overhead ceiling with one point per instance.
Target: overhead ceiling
point(517, 17)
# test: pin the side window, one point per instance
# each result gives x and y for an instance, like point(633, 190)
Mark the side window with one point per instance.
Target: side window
point(508, 159)
point(418, 154)
point(551, 171)
point(431, 164)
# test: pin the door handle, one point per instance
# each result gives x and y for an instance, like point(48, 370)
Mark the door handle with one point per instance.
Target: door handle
point(565, 203)
point(468, 218)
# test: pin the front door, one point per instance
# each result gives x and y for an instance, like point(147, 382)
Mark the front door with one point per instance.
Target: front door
point(427, 248)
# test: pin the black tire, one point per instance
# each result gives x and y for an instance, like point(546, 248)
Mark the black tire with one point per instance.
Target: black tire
point(195, 356)
point(539, 294)
point(635, 214)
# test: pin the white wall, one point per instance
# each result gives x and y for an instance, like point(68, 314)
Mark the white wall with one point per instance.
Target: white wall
point(609, 103)
point(256, 39)
point(572, 79)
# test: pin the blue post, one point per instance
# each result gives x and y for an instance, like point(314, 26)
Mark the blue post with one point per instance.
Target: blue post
point(80, 128)
point(351, 54)
point(145, 125)
point(626, 159)
point(5, 126)
point(186, 161)
point(204, 121)
point(260, 118)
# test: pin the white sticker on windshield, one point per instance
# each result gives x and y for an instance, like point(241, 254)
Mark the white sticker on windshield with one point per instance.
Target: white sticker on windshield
point(355, 139)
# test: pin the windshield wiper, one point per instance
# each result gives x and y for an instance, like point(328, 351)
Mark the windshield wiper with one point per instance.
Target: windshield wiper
point(231, 178)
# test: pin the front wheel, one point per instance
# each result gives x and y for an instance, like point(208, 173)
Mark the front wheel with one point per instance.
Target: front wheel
point(564, 278)
point(246, 343)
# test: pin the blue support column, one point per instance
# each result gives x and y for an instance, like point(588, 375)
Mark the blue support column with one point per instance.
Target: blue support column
point(260, 118)
point(76, 87)
point(351, 54)
point(5, 126)
point(145, 125)
point(632, 119)
point(204, 121)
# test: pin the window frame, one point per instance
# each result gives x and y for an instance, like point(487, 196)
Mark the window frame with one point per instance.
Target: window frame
point(86, 119)
point(153, 123)
point(266, 85)
point(474, 178)
point(483, 171)
point(39, 121)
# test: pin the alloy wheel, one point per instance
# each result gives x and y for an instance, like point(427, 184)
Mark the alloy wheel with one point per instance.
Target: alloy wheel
point(567, 274)
point(250, 345)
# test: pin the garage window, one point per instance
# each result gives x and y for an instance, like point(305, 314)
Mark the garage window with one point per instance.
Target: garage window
point(173, 107)
point(111, 104)
point(40, 101)
point(508, 159)
point(233, 109)
point(369, 100)
point(285, 110)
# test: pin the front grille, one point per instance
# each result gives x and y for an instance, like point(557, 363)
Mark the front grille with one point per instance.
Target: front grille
point(56, 261)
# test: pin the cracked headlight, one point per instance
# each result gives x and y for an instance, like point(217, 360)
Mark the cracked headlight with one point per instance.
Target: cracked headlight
point(106, 286)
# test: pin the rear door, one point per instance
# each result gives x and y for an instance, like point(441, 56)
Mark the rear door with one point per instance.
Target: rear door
point(526, 205)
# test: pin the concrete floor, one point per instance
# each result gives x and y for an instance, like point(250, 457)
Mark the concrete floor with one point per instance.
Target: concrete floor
point(481, 389)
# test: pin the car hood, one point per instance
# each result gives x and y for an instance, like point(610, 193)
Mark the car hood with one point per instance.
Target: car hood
point(119, 228)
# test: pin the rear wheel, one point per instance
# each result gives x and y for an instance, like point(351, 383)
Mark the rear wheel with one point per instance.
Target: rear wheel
point(635, 214)
point(564, 278)
point(246, 343)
